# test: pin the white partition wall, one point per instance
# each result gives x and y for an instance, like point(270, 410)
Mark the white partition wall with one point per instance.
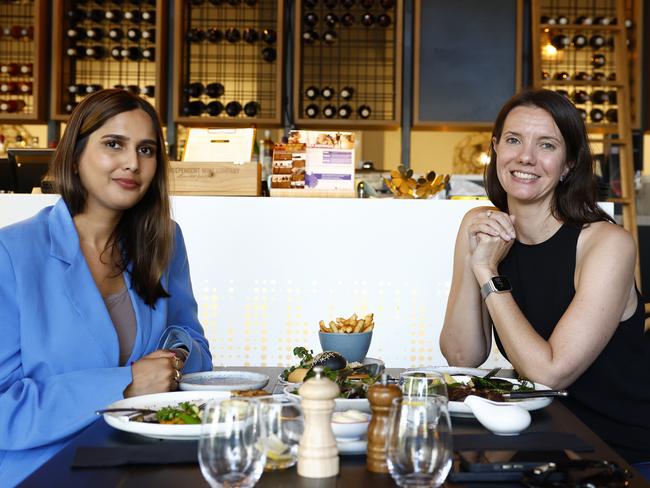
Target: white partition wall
point(266, 270)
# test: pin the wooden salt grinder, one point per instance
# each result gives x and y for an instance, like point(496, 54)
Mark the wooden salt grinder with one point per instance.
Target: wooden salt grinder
point(380, 396)
point(318, 456)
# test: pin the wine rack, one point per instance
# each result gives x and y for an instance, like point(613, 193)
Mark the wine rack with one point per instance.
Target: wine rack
point(23, 32)
point(99, 44)
point(347, 63)
point(229, 62)
point(580, 50)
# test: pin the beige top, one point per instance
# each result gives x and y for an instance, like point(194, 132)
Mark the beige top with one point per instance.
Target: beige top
point(122, 314)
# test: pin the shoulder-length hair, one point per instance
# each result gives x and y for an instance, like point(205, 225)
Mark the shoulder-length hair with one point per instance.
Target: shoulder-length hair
point(144, 235)
point(574, 199)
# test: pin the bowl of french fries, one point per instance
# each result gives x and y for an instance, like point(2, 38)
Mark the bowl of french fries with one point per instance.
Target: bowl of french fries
point(349, 337)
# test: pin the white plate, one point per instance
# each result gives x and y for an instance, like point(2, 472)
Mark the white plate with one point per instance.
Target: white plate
point(364, 362)
point(359, 446)
point(156, 402)
point(459, 409)
point(340, 404)
point(223, 381)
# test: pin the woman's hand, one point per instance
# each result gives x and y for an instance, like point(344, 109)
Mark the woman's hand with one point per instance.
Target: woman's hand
point(157, 372)
point(490, 223)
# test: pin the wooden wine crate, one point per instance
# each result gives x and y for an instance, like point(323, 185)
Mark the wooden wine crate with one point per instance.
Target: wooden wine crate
point(216, 178)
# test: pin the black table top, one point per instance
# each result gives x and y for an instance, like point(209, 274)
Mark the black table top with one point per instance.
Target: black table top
point(57, 471)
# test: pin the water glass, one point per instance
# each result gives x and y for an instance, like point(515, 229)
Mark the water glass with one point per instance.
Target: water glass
point(229, 450)
point(419, 445)
point(282, 426)
point(422, 383)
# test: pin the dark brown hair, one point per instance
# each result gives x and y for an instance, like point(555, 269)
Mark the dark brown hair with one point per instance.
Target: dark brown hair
point(574, 199)
point(145, 232)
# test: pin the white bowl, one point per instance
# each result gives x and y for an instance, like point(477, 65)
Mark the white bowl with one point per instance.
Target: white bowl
point(340, 404)
point(351, 430)
point(498, 417)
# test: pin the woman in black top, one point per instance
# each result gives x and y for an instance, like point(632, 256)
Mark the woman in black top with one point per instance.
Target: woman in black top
point(553, 276)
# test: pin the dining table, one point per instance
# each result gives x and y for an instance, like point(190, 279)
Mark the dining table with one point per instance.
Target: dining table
point(553, 420)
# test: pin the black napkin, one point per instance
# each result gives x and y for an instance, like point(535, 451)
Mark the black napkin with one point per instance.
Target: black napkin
point(168, 452)
point(530, 441)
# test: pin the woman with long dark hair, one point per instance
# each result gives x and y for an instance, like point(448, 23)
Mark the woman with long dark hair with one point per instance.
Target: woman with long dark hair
point(91, 287)
point(552, 276)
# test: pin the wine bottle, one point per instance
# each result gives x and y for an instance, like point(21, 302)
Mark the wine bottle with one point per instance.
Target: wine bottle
point(194, 108)
point(116, 53)
point(347, 19)
point(330, 4)
point(269, 54)
point(96, 52)
point(214, 90)
point(269, 36)
point(560, 41)
point(93, 88)
point(329, 111)
point(75, 15)
point(346, 92)
point(602, 20)
point(149, 35)
point(582, 76)
point(330, 36)
point(233, 109)
point(331, 20)
point(545, 19)
point(579, 41)
point(76, 34)
point(611, 115)
point(132, 53)
point(598, 60)
point(611, 76)
point(134, 89)
point(11, 106)
point(583, 114)
point(95, 15)
point(562, 19)
point(250, 36)
point(95, 34)
point(596, 115)
point(584, 20)
point(367, 4)
point(134, 34)
point(312, 110)
point(384, 20)
point(69, 107)
point(149, 53)
point(367, 19)
point(114, 15)
point(348, 4)
point(311, 3)
point(10, 69)
point(8, 87)
point(133, 16)
point(597, 41)
point(611, 95)
point(327, 92)
point(195, 89)
point(214, 108)
point(214, 35)
point(580, 96)
point(364, 111)
point(310, 19)
point(149, 16)
point(599, 76)
point(345, 111)
point(600, 96)
point(76, 52)
point(562, 75)
point(116, 34)
point(311, 92)
point(233, 35)
point(25, 88)
point(26, 69)
point(251, 109)
point(77, 89)
point(546, 75)
point(310, 36)
point(195, 35)
point(148, 91)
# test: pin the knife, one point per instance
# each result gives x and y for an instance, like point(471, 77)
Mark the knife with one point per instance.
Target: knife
point(142, 411)
point(535, 394)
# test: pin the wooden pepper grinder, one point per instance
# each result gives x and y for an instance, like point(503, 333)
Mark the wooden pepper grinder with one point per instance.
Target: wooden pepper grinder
point(318, 456)
point(380, 396)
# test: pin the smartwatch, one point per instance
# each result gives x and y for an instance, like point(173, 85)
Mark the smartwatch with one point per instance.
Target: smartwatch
point(496, 284)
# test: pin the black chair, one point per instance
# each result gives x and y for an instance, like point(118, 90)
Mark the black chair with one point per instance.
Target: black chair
point(29, 167)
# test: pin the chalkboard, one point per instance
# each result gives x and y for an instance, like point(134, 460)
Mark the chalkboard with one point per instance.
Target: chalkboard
point(466, 60)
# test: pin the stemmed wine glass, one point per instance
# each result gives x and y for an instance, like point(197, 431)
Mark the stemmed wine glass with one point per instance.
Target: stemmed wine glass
point(230, 453)
point(419, 444)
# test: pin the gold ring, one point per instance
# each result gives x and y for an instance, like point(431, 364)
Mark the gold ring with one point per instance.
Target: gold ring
point(177, 376)
point(177, 362)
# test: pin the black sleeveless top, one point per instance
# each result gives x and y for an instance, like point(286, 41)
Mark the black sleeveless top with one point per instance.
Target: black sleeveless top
point(613, 395)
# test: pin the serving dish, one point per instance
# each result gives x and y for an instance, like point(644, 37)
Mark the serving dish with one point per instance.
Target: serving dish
point(223, 381)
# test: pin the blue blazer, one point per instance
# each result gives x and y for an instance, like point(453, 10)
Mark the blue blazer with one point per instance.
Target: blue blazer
point(59, 352)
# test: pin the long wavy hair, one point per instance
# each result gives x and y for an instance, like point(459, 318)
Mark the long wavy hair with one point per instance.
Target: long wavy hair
point(574, 199)
point(144, 236)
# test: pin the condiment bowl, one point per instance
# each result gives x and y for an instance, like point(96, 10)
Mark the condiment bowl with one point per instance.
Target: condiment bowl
point(350, 424)
point(498, 417)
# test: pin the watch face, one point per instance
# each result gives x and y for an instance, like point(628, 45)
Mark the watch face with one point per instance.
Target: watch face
point(501, 283)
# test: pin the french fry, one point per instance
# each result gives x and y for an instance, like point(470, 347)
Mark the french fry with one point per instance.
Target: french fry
point(334, 326)
point(351, 325)
point(358, 327)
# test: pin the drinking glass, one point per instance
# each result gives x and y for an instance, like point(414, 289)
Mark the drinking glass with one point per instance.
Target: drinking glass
point(419, 446)
point(282, 426)
point(422, 383)
point(229, 450)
